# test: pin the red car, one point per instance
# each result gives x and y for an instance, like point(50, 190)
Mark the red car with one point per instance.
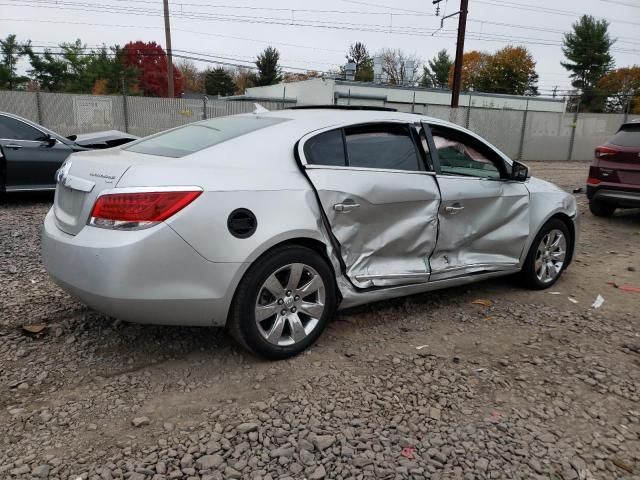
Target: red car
point(614, 175)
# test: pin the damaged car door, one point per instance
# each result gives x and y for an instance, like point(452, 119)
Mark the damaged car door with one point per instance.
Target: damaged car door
point(379, 200)
point(484, 214)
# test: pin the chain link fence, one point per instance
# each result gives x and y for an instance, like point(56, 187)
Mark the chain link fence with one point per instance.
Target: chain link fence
point(69, 114)
point(521, 134)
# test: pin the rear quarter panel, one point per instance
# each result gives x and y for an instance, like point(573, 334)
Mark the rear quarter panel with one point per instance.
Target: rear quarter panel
point(257, 172)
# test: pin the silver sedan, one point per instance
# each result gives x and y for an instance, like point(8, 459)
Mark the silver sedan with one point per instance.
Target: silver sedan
point(265, 223)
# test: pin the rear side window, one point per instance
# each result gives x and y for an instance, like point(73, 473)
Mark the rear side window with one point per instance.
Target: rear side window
point(382, 146)
point(197, 136)
point(628, 136)
point(13, 129)
point(326, 149)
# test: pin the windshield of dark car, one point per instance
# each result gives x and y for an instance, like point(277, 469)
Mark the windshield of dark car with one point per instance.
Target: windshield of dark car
point(191, 138)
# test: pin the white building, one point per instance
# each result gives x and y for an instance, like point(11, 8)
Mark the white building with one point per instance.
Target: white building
point(321, 91)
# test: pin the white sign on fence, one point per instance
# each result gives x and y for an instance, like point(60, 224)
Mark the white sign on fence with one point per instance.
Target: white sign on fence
point(93, 111)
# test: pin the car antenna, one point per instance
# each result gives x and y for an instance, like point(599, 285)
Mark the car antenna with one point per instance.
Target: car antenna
point(259, 109)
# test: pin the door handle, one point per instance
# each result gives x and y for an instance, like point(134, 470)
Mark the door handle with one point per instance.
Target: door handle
point(345, 207)
point(13, 146)
point(453, 209)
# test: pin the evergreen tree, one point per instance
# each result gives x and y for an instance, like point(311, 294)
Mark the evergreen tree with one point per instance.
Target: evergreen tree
point(268, 68)
point(10, 53)
point(436, 74)
point(219, 82)
point(587, 49)
point(359, 55)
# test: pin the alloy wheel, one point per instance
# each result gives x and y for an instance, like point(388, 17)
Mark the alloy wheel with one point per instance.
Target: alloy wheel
point(290, 304)
point(550, 256)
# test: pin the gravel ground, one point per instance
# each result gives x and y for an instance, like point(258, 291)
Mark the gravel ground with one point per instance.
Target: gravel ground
point(537, 385)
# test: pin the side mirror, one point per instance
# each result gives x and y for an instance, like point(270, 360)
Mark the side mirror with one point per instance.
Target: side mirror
point(50, 141)
point(519, 172)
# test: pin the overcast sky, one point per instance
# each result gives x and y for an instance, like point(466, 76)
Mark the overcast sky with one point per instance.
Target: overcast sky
point(240, 29)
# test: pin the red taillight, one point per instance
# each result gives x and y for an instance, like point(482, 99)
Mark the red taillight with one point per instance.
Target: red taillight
point(602, 152)
point(593, 181)
point(139, 209)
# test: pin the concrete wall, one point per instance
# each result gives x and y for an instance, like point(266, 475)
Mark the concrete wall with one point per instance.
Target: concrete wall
point(323, 92)
point(316, 91)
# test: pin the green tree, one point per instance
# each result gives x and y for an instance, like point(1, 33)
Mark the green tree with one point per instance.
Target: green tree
point(77, 59)
point(47, 69)
point(78, 70)
point(359, 55)
point(107, 72)
point(10, 53)
point(436, 73)
point(587, 49)
point(268, 68)
point(219, 82)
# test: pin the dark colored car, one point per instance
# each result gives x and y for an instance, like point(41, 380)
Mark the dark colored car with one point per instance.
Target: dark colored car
point(614, 176)
point(30, 154)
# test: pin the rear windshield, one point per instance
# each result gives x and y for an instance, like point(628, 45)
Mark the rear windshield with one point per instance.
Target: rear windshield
point(628, 136)
point(197, 136)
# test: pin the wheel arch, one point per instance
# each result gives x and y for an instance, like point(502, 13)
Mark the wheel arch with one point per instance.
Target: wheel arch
point(571, 226)
point(308, 241)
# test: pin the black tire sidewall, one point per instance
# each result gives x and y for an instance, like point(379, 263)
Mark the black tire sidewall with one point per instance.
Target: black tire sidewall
point(244, 303)
point(528, 270)
point(601, 209)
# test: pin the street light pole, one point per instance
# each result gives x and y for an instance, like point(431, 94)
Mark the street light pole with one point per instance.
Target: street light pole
point(167, 32)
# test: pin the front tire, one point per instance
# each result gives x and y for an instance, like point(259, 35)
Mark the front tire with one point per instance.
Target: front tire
point(283, 303)
point(547, 256)
point(601, 209)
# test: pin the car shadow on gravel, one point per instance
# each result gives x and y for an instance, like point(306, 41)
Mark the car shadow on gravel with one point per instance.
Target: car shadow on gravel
point(17, 199)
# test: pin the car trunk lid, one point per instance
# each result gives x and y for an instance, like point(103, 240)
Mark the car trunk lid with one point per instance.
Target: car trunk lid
point(83, 177)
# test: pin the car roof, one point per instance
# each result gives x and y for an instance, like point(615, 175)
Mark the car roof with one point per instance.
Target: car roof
point(308, 120)
point(315, 118)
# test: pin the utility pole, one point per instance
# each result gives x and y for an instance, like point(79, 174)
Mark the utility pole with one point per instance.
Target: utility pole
point(167, 32)
point(457, 68)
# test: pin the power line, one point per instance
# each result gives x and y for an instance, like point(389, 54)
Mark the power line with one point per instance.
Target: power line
point(621, 3)
point(282, 9)
point(377, 5)
point(209, 34)
point(545, 10)
point(405, 30)
point(222, 59)
point(409, 30)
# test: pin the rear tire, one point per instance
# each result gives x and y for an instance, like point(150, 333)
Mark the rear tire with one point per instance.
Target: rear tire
point(601, 209)
point(548, 255)
point(283, 302)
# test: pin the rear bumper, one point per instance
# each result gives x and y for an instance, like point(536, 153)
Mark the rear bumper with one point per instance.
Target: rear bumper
point(146, 276)
point(629, 198)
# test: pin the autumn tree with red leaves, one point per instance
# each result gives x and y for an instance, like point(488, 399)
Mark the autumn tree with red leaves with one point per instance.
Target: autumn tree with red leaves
point(151, 62)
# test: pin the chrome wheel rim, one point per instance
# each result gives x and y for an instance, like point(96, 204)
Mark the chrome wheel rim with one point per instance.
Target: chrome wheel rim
point(550, 256)
point(290, 304)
